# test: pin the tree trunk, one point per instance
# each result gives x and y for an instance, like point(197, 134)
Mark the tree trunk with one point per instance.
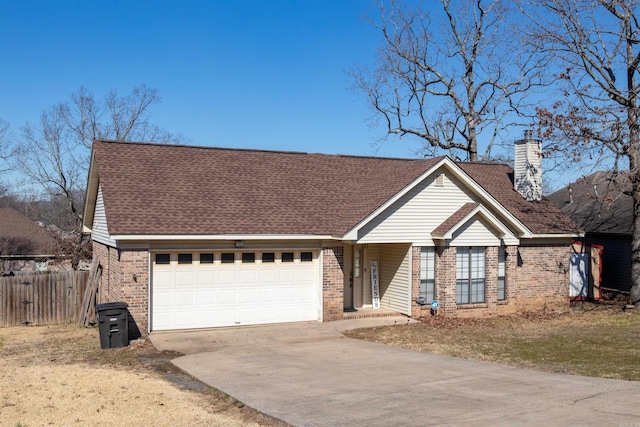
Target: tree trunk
point(634, 176)
point(634, 294)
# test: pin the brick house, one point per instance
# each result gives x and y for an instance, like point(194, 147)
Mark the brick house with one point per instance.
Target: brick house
point(195, 237)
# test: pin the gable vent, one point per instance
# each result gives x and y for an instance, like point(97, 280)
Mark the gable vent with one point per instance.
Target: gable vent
point(439, 180)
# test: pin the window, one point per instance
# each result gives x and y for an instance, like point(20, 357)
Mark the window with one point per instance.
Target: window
point(163, 258)
point(306, 256)
point(228, 258)
point(428, 274)
point(206, 258)
point(185, 258)
point(470, 267)
point(287, 256)
point(502, 264)
point(248, 257)
point(357, 263)
point(268, 257)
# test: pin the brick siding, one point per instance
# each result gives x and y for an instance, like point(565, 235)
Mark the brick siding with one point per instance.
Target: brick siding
point(537, 278)
point(332, 283)
point(125, 278)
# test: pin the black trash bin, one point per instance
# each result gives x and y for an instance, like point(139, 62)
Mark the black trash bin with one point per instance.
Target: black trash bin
point(113, 324)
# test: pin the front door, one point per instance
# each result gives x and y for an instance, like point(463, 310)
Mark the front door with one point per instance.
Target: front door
point(358, 272)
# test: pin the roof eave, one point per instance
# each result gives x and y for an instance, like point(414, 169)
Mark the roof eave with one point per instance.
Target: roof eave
point(91, 194)
point(148, 237)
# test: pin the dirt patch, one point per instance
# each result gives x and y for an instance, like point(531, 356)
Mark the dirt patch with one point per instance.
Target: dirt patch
point(58, 375)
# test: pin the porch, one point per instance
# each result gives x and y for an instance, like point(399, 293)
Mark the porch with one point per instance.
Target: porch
point(369, 312)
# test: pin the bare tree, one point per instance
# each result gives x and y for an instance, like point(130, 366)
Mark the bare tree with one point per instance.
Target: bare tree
point(6, 139)
point(55, 153)
point(595, 116)
point(450, 76)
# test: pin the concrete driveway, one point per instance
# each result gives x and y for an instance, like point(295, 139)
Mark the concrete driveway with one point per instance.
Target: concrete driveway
point(308, 374)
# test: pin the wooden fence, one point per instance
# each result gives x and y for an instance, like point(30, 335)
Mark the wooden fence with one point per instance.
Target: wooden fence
point(42, 299)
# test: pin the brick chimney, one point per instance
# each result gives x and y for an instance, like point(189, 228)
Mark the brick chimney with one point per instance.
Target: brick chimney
point(527, 167)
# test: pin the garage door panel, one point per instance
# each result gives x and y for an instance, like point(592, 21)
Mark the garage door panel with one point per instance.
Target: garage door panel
point(306, 295)
point(206, 297)
point(184, 278)
point(163, 279)
point(213, 295)
point(227, 277)
point(306, 274)
point(184, 298)
point(163, 299)
point(268, 276)
point(184, 319)
point(226, 317)
point(205, 318)
point(287, 275)
point(248, 277)
point(269, 314)
point(268, 296)
point(247, 296)
point(287, 294)
point(206, 277)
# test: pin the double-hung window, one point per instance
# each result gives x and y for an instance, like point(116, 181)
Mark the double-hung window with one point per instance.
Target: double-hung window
point(470, 275)
point(428, 274)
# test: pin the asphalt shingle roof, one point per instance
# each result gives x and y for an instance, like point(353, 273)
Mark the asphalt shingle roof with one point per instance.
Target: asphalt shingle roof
point(454, 219)
point(541, 217)
point(598, 203)
point(185, 190)
point(21, 236)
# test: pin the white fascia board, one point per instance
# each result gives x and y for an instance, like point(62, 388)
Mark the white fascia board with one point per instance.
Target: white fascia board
point(91, 195)
point(149, 237)
point(462, 176)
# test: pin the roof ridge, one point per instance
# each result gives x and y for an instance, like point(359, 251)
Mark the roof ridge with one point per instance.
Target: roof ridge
point(260, 150)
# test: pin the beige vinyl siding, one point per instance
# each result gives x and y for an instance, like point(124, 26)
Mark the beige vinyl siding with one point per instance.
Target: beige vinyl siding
point(417, 213)
point(395, 273)
point(100, 230)
point(476, 232)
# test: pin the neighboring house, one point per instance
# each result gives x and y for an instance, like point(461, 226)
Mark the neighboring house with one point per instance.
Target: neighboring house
point(598, 204)
point(25, 246)
point(195, 237)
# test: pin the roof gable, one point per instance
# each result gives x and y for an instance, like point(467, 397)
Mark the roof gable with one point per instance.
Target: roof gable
point(454, 225)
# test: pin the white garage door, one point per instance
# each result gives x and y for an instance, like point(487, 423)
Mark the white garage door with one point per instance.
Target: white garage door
point(212, 289)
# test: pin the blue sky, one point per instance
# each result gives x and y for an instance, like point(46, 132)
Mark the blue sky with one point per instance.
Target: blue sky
point(239, 73)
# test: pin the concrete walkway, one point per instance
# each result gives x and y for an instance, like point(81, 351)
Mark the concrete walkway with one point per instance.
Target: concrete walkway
point(308, 374)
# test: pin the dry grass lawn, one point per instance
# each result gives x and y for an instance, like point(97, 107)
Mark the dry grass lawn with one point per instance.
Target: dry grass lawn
point(591, 340)
point(58, 375)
